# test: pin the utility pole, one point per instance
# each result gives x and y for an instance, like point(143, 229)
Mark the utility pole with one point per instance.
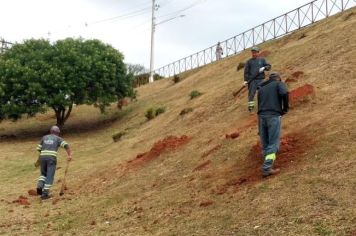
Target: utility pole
point(151, 79)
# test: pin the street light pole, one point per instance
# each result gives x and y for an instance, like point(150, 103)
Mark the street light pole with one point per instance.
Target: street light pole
point(151, 79)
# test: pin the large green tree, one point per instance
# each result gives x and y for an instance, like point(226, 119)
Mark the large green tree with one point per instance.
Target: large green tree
point(37, 75)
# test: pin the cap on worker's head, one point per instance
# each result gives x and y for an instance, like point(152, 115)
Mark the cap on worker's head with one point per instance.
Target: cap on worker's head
point(255, 49)
point(55, 129)
point(274, 75)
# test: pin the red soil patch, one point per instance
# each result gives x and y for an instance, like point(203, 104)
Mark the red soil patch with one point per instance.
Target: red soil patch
point(22, 201)
point(292, 149)
point(169, 143)
point(264, 53)
point(232, 135)
point(297, 74)
point(202, 166)
point(32, 192)
point(205, 154)
point(206, 203)
point(301, 94)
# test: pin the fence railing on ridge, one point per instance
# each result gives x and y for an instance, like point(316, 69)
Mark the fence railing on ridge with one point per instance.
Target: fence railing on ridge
point(282, 25)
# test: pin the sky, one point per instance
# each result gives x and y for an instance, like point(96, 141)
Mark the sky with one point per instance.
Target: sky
point(126, 24)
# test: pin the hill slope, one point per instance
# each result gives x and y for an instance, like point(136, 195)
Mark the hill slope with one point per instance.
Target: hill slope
point(181, 175)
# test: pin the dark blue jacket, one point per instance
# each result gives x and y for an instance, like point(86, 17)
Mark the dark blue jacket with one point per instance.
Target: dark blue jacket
point(272, 98)
point(252, 67)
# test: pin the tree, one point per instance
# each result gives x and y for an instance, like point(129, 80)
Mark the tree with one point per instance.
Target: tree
point(36, 75)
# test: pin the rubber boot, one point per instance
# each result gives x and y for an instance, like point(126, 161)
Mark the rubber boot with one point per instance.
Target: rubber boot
point(45, 194)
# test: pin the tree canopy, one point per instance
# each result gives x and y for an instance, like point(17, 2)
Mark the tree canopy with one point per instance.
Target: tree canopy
point(37, 75)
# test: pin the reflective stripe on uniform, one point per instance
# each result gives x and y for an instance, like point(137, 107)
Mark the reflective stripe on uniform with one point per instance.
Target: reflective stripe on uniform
point(271, 156)
point(48, 153)
point(64, 143)
point(39, 147)
point(47, 186)
point(251, 103)
point(42, 178)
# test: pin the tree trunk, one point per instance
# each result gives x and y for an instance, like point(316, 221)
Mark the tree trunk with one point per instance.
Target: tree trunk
point(62, 114)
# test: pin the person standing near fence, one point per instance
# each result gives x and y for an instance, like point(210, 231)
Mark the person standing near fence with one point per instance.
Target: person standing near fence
point(254, 74)
point(218, 51)
point(272, 97)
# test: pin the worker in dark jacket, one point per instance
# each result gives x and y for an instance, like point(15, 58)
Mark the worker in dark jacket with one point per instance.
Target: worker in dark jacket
point(254, 74)
point(48, 148)
point(272, 100)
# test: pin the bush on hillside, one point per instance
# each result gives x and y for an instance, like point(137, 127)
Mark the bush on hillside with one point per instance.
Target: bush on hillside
point(194, 94)
point(240, 66)
point(153, 112)
point(185, 111)
point(160, 110)
point(116, 137)
point(176, 79)
point(150, 113)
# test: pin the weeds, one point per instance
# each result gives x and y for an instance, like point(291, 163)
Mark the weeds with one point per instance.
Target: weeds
point(195, 93)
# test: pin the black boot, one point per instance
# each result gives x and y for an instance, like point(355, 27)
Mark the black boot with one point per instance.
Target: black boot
point(45, 195)
point(39, 191)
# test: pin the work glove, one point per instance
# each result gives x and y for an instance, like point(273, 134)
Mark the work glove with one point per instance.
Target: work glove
point(245, 83)
point(261, 69)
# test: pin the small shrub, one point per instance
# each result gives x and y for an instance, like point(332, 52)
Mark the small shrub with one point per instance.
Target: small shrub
point(240, 66)
point(150, 113)
point(153, 112)
point(116, 137)
point(160, 110)
point(185, 111)
point(176, 79)
point(194, 94)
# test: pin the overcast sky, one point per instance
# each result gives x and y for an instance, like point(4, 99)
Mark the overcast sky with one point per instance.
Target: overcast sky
point(125, 24)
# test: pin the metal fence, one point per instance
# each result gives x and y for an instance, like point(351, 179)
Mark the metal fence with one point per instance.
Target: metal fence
point(291, 21)
point(4, 45)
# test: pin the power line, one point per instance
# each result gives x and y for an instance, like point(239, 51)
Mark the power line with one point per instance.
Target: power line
point(123, 16)
point(184, 9)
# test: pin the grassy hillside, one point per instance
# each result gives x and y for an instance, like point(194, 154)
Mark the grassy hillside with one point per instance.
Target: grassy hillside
point(182, 174)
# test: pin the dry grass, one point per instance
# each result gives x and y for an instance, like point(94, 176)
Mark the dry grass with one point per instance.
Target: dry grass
point(313, 195)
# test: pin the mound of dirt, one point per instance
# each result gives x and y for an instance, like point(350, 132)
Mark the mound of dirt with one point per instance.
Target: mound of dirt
point(22, 201)
point(301, 94)
point(169, 143)
point(292, 149)
point(232, 135)
point(32, 192)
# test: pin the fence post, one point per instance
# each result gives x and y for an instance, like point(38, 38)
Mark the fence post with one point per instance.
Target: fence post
point(235, 49)
point(253, 36)
point(326, 7)
point(274, 27)
point(263, 32)
point(243, 39)
point(285, 17)
point(312, 11)
point(298, 18)
point(342, 5)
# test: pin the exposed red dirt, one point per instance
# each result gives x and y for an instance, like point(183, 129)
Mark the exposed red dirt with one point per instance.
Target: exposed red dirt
point(32, 192)
point(297, 74)
point(202, 166)
point(206, 203)
point(301, 94)
point(169, 143)
point(210, 151)
point(292, 149)
point(232, 135)
point(22, 201)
